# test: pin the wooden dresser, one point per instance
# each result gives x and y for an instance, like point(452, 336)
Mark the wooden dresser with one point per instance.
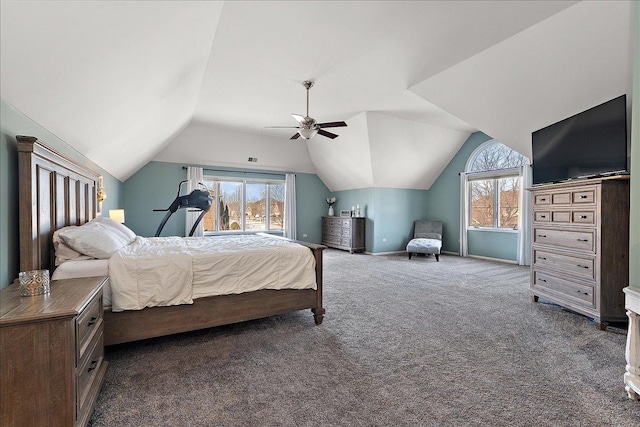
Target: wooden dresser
point(51, 354)
point(343, 233)
point(580, 246)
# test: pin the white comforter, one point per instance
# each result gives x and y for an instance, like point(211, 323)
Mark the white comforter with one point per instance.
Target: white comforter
point(163, 271)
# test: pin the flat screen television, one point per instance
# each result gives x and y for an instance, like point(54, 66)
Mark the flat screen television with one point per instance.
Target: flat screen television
point(590, 144)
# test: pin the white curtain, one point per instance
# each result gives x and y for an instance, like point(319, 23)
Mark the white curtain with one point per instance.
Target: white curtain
point(194, 177)
point(524, 220)
point(464, 214)
point(290, 206)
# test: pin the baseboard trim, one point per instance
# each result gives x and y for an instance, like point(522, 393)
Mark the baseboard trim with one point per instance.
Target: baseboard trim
point(405, 252)
point(386, 253)
point(506, 261)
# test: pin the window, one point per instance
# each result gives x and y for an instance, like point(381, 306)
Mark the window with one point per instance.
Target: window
point(494, 187)
point(243, 205)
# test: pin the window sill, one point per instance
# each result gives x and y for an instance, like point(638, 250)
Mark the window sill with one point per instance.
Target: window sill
point(493, 230)
point(236, 232)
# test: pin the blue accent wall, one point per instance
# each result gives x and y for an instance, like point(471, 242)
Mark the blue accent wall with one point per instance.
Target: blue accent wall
point(443, 201)
point(155, 186)
point(12, 123)
point(444, 195)
point(311, 194)
point(493, 244)
point(365, 197)
point(389, 214)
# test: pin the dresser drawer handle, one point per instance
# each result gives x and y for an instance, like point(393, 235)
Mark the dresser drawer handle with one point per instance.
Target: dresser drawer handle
point(583, 217)
point(542, 258)
point(543, 199)
point(583, 293)
point(92, 321)
point(542, 235)
point(582, 196)
point(92, 365)
point(543, 280)
point(583, 266)
point(583, 240)
point(543, 216)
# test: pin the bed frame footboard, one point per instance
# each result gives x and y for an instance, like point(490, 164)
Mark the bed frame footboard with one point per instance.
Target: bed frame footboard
point(151, 322)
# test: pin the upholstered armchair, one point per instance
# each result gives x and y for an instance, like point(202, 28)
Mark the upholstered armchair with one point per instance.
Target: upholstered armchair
point(427, 239)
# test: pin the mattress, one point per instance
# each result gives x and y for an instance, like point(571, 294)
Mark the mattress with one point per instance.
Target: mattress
point(86, 268)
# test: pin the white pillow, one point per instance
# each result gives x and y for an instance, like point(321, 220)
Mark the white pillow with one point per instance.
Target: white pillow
point(126, 231)
point(94, 239)
point(63, 252)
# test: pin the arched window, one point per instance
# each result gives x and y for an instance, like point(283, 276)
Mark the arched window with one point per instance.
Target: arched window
point(494, 187)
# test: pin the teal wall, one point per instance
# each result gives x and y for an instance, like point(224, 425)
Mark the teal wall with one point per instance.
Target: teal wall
point(155, 186)
point(12, 123)
point(311, 194)
point(365, 197)
point(492, 244)
point(443, 203)
point(444, 195)
point(390, 214)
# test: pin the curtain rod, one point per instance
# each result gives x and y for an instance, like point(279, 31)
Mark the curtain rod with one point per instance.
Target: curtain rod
point(242, 172)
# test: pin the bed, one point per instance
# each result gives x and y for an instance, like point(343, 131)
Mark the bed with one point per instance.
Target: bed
point(55, 192)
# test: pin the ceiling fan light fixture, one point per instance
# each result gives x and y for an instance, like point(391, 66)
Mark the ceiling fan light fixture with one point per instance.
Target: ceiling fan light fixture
point(307, 133)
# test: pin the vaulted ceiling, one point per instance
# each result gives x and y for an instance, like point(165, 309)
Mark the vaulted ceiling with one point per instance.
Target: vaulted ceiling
point(198, 82)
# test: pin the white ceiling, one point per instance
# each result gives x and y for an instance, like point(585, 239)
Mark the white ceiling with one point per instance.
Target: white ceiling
point(198, 82)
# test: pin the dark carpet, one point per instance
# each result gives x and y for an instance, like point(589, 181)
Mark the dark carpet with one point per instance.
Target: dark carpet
point(404, 343)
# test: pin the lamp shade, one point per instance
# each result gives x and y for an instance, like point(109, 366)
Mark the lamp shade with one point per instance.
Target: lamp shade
point(117, 215)
point(307, 133)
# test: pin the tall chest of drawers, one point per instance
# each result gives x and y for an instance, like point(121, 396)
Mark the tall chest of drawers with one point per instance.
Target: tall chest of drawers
point(52, 354)
point(343, 233)
point(580, 246)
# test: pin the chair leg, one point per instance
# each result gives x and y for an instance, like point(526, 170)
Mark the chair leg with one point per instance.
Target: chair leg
point(409, 255)
point(437, 257)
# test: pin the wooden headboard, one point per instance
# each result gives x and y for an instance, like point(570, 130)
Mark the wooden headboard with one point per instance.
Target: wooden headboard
point(53, 192)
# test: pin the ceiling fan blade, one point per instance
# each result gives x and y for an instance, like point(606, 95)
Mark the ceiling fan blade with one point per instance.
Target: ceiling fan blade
point(327, 134)
point(299, 118)
point(332, 124)
point(295, 136)
point(282, 127)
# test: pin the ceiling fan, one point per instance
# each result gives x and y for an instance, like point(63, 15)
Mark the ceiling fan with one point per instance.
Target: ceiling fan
point(307, 126)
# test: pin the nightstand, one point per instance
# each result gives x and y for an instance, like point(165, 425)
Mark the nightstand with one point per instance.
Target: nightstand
point(51, 354)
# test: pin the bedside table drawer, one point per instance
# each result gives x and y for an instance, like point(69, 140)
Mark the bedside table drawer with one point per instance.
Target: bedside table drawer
point(87, 323)
point(88, 369)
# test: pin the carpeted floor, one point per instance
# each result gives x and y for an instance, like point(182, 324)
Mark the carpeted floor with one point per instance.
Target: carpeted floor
point(403, 343)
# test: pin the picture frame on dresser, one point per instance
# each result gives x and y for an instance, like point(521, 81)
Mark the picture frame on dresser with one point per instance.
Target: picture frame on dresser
point(345, 213)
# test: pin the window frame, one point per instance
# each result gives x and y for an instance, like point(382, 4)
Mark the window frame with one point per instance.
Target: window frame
point(495, 175)
point(244, 181)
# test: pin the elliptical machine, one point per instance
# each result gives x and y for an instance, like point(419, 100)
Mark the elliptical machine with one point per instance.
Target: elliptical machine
point(198, 199)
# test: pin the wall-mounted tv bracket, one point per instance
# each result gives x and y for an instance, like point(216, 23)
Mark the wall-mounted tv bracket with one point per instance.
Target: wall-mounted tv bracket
point(199, 199)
